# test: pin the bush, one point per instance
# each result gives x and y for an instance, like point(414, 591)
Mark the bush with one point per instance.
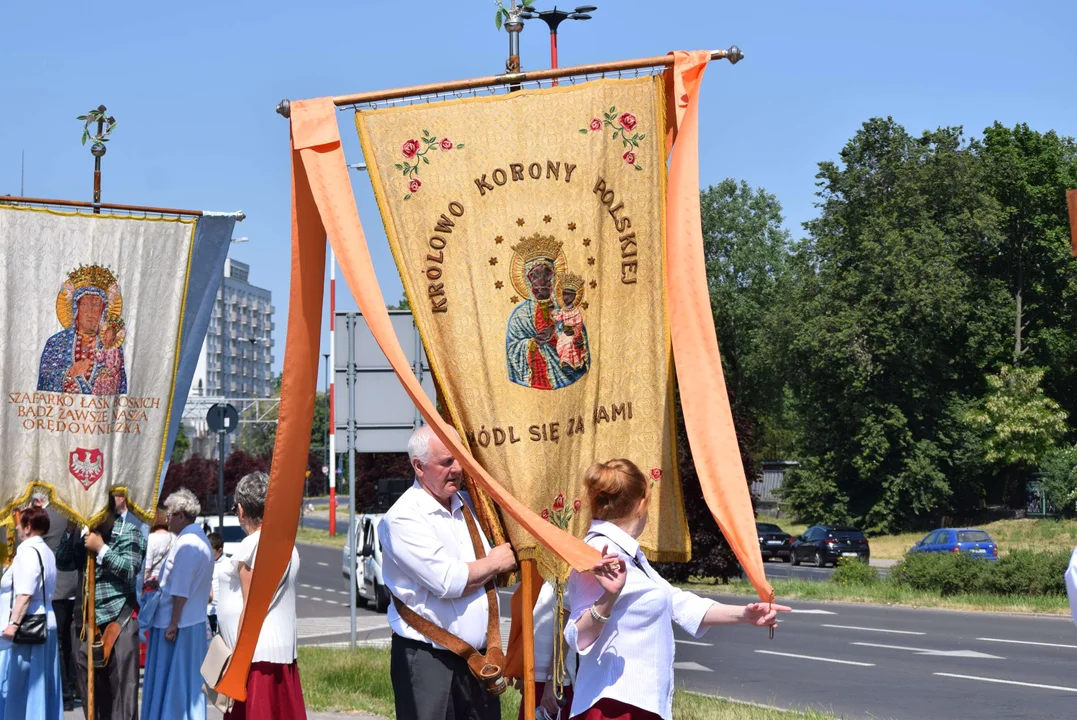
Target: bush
point(853, 572)
point(1019, 573)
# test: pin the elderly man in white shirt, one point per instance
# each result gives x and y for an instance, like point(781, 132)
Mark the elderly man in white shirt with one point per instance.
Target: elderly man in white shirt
point(429, 564)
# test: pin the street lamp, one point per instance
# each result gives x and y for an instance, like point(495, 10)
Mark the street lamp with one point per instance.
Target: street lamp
point(555, 17)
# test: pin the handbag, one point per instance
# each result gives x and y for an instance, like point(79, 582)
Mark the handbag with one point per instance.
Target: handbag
point(33, 629)
point(219, 656)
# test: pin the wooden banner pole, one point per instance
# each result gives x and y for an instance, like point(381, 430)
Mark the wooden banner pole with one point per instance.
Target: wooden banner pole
point(733, 55)
point(89, 624)
point(527, 568)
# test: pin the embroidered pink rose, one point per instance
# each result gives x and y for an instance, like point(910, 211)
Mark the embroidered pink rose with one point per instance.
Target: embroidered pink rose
point(596, 124)
point(630, 157)
point(559, 502)
point(415, 184)
point(446, 144)
point(410, 148)
point(576, 504)
point(656, 473)
point(545, 513)
point(628, 120)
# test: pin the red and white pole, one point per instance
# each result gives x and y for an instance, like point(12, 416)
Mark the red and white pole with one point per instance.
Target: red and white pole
point(553, 52)
point(332, 377)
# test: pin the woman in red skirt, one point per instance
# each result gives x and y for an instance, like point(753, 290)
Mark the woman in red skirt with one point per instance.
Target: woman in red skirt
point(273, 687)
point(621, 622)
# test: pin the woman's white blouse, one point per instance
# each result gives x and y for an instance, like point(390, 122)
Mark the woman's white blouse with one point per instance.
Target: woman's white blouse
point(632, 659)
point(277, 642)
point(24, 578)
point(187, 573)
point(157, 546)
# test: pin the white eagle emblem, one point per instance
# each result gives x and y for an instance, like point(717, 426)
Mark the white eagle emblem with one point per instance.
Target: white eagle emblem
point(86, 465)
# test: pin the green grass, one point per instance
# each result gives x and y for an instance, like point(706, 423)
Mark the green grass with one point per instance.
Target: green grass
point(321, 537)
point(1027, 534)
point(358, 681)
point(884, 593)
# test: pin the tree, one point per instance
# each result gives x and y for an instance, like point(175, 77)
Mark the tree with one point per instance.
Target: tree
point(197, 474)
point(1020, 424)
point(236, 466)
point(1028, 173)
point(402, 305)
point(1059, 467)
point(747, 252)
point(181, 446)
point(889, 332)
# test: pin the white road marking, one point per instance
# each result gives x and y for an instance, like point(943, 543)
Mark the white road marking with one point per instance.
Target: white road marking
point(1029, 642)
point(812, 612)
point(304, 597)
point(691, 666)
point(324, 564)
point(1008, 682)
point(812, 657)
point(933, 653)
point(693, 642)
point(867, 629)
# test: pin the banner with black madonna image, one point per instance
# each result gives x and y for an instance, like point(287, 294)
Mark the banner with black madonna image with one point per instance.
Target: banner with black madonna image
point(103, 319)
point(529, 231)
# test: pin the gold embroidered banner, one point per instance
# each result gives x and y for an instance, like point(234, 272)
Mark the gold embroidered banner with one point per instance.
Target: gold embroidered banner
point(529, 233)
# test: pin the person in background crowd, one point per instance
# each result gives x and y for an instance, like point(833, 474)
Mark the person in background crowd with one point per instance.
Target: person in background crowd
point(172, 687)
point(216, 541)
point(622, 615)
point(119, 548)
point(32, 687)
point(273, 686)
point(63, 603)
point(158, 543)
point(429, 563)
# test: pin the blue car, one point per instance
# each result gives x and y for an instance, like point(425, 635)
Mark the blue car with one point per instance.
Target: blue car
point(970, 541)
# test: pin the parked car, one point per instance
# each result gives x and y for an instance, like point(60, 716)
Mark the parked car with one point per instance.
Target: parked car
point(826, 544)
point(774, 542)
point(971, 541)
point(370, 584)
point(231, 531)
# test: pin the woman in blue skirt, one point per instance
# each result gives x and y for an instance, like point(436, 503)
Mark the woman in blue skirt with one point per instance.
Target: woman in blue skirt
point(172, 684)
point(32, 674)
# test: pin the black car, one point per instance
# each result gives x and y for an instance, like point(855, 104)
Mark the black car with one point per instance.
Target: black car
point(826, 544)
point(773, 541)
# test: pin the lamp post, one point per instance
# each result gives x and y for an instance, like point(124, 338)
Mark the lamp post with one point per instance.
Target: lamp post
point(327, 420)
point(553, 18)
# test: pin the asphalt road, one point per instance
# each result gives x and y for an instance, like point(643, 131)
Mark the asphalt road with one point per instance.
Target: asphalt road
point(857, 661)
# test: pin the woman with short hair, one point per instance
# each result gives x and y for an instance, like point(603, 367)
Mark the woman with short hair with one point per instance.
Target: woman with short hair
point(273, 686)
point(622, 615)
point(32, 686)
point(172, 684)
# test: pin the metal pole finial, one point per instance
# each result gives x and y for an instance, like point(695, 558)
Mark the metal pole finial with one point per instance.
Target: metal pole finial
point(284, 108)
point(735, 55)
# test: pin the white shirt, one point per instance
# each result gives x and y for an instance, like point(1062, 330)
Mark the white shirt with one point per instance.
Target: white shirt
point(277, 641)
point(187, 573)
point(157, 546)
point(545, 630)
point(1071, 585)
point(632, 659)
point(425, 552)
point(24, 578)
point(219, 566)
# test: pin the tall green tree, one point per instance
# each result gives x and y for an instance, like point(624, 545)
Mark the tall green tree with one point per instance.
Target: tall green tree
point(1027, 173)
point(747, 251)
point(891, 334)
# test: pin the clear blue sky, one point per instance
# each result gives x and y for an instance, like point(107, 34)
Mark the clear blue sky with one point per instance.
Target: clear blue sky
point(193, 85)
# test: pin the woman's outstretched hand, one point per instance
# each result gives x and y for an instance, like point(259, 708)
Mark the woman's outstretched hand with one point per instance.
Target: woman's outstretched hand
point(763, 614)
point(611, 572)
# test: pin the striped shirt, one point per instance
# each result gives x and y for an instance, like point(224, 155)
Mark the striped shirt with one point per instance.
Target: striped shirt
point(632, 659)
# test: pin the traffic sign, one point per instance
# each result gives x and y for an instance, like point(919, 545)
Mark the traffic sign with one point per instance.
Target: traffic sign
point(325, 469)
point(222, 417)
